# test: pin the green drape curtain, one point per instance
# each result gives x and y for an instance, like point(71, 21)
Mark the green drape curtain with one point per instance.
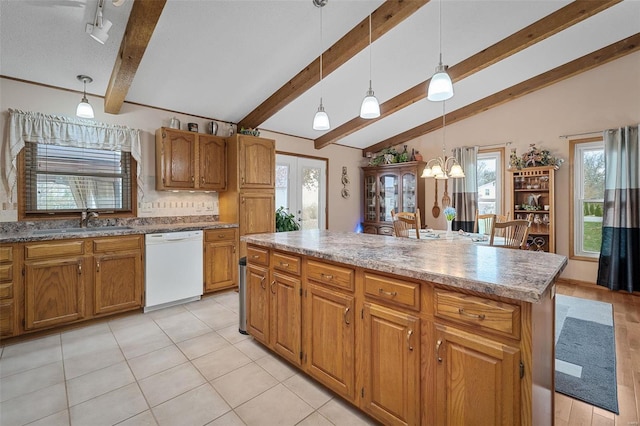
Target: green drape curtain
point(619, 263)
point(465, 190)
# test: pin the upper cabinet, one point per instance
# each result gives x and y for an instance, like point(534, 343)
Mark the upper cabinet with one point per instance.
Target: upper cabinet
point(189, 160)
point(256, 162)
point(396, 187)
point(533, 195)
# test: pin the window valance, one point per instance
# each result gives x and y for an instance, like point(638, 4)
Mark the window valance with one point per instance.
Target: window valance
point(64, 131)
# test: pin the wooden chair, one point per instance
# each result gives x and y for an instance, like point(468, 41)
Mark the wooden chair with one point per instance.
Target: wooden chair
point(406, 222)
point(486, 220)
point(515, 233)
point(501, 218)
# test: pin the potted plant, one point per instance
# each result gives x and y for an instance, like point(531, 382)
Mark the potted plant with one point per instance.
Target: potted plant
point(285, 221)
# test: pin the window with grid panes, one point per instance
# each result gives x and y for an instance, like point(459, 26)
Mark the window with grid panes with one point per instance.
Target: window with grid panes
point(61, 179)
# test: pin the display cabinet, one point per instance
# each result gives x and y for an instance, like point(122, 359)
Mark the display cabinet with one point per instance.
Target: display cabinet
point(396, 187)
point(533, 193)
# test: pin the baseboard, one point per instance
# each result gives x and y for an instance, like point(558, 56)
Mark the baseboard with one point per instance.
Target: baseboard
point(591, 286)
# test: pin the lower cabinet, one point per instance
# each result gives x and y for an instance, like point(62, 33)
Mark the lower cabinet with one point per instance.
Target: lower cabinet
point(220, 259)
point(285, 309)
point(259, 306)
point(118, 274)
point(477, 379)
point(54, 291)
point(391, 357)
point(329, 324)
point(7, 291)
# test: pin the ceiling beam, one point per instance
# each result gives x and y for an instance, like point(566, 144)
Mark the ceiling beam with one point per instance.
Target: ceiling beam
point(142, 22)
point(559, 20)
point(383, 19)
point(599, 57)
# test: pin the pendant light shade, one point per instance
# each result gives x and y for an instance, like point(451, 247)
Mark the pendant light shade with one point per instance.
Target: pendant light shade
point(321, 119)
point(370, 107)
point(440, 86)
point(84, 109)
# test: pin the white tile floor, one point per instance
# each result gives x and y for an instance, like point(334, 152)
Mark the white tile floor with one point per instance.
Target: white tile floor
point(184, 365)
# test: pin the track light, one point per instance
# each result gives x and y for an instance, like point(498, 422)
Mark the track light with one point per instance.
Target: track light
point(99, 30)
point(84, 109)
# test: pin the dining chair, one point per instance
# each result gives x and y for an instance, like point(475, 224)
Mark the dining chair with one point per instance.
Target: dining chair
point(501, 218)
point(405, 223)
point(484, 222)
point(514, 232)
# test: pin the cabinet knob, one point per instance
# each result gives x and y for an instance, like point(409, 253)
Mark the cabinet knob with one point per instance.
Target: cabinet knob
point(202, 179)
point(409, 334)
point(346, 320)
point(79, 268)
point(262, 283)
point(271, 286)
point(388, 293)
point(97, 266)
point(480, 317)
point(193, 179)
point(438, 344)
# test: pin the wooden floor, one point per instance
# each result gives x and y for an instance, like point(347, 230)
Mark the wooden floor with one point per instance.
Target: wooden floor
point(626, 311)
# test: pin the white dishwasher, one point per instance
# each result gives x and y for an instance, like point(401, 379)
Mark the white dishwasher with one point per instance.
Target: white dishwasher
point(173, 268)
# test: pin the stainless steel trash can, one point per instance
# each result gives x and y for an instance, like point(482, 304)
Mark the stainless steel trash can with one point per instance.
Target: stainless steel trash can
point(242, 293)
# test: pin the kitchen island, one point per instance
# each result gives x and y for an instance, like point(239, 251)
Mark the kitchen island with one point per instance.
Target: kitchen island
point(411, 331)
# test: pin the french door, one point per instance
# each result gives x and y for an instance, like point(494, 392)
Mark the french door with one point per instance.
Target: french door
point(301, 188)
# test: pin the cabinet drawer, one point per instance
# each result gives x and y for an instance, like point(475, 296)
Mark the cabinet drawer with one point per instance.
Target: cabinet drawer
point(6, 291)
point(385, 230)
point(6, 273)
point(6, 254)
point(213, 235)
point(103, 245)
point(58, 249)
point(487, 314)
point(393, 291)
point(287, 263)
point(334, 275)
point(257, 256)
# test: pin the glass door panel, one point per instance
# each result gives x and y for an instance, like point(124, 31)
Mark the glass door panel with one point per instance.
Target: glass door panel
point(370, 198)
point(388, 196)
point(409, 192)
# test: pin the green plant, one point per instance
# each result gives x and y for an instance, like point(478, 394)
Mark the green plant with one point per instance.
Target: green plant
point(285, 221)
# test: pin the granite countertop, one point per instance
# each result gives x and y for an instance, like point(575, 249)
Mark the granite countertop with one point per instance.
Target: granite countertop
point(22, 236)
point(514, 274)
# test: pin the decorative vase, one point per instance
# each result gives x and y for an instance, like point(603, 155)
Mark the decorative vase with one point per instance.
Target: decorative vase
point(449, 231)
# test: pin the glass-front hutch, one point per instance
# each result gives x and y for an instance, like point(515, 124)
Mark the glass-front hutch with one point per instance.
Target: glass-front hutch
point(396, 187)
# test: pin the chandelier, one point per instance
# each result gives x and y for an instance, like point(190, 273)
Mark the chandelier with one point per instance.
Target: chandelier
point(443, 167)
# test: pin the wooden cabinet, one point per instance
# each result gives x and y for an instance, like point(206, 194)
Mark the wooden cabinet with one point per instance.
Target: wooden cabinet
point(477, 379)
point(220, 259)
point(189, 160)
point(118, 274)
point(533, 193)
point(329, 326)
point(396, 187)
point(391, 357)
point(250, 197)
point(286, 316)
point(258, 303)
point(54, 283)
point(8, 295)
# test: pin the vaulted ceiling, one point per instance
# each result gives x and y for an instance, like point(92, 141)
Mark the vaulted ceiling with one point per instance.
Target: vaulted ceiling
point(257, 62)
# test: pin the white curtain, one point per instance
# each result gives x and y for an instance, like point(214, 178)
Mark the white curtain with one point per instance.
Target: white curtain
point(64, 131)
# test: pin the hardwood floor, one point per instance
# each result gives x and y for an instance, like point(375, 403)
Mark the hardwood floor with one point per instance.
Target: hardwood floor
point(626, 312)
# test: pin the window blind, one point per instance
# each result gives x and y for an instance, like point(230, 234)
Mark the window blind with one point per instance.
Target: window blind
point(67, 179)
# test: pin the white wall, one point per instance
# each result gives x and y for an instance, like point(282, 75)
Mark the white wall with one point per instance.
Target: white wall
point(343, 214)
point(605, 97)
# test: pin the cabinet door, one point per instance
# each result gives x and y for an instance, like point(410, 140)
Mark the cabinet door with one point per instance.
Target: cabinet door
point(409, 200)
point(477, 380)
point(257, 213)
point(330, 339)
point(389, 199)
point(286, 339)
point(391, 355)
point(7, 318)
point(118, 282)
point(220, 265)
point(54, 292)
point(178, 159)
point(370, 198)
point(258, 301)
point(212, 163)
point(257, 162)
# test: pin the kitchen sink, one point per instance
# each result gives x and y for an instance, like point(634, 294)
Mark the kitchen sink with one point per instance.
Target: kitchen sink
point(78, 230)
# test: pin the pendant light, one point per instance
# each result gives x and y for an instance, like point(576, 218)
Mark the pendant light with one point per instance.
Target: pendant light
point(84, 109)
point(443, 167)
point(370, 107)
point(440, 86)
point(321, 119)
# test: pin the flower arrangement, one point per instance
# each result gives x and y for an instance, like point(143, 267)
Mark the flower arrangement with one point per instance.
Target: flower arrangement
point(534, 157)
point(449, 213)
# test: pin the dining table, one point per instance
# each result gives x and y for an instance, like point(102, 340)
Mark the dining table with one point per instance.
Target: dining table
point(458, 236)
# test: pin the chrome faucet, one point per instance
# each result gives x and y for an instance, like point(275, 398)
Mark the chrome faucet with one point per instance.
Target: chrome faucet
point(86, 215)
